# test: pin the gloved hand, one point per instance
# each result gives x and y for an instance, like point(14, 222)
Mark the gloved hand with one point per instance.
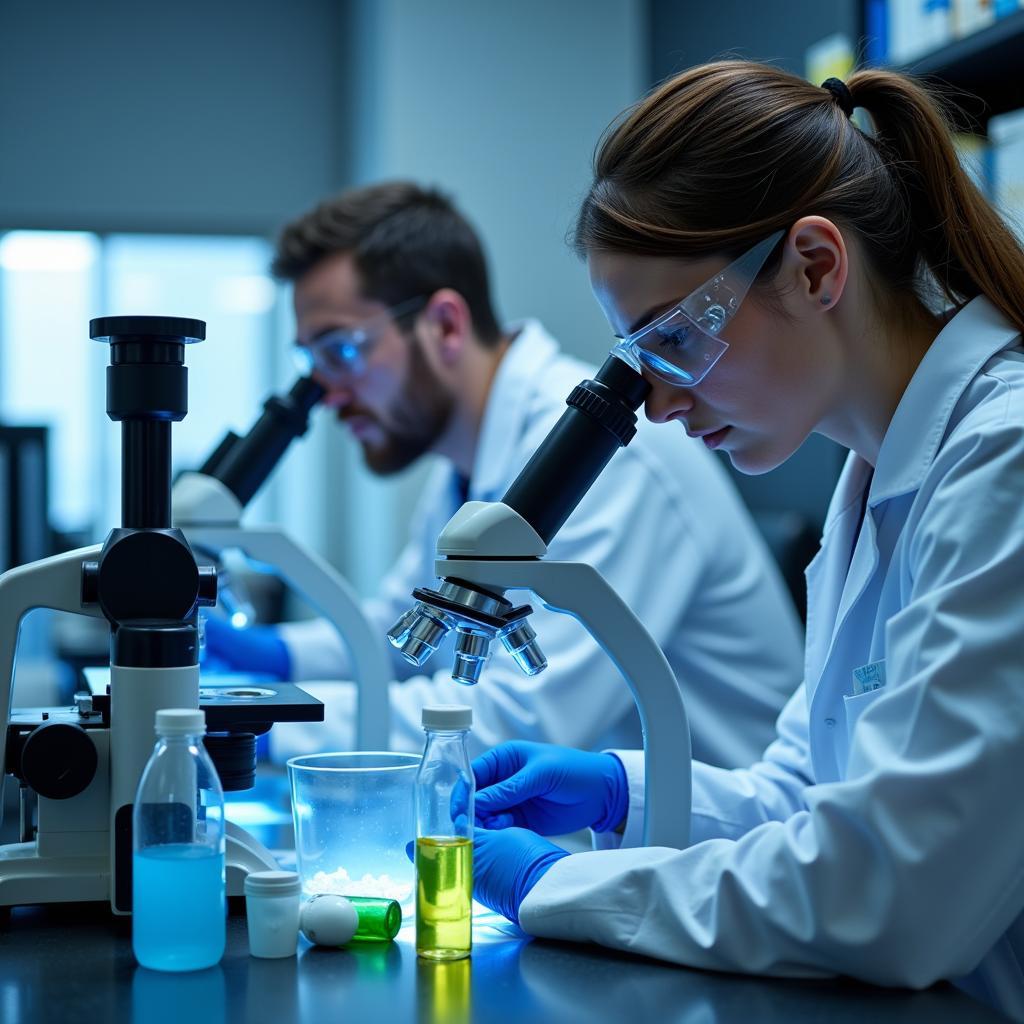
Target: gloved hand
point(551, 790)
point(253, 649)
point(507, 864)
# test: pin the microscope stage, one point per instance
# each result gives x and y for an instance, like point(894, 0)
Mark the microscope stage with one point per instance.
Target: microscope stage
point(232, 700)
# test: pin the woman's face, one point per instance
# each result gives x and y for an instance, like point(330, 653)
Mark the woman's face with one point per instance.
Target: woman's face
point(769, 390)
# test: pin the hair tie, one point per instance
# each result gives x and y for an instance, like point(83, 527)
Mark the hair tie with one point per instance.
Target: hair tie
point(840, 93)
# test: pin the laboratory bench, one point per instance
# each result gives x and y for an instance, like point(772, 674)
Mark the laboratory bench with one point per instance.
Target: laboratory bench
point(75, 965)
point(72, 964)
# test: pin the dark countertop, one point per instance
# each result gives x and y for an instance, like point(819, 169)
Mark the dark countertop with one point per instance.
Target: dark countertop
point(75, 964)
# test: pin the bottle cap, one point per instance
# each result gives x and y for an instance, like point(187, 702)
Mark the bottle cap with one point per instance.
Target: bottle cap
point(447, 716)
point(328, 920)
point(272, 883)
point(180, 722)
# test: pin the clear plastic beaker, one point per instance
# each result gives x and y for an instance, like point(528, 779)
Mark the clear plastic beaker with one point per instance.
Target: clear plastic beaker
point(354, 814)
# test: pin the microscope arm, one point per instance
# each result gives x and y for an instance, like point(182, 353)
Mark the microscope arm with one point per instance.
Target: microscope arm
point(581, 591)
point(328, 591)
point(54, 582)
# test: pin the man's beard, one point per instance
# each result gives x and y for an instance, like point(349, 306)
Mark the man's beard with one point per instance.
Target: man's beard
point(419, 416)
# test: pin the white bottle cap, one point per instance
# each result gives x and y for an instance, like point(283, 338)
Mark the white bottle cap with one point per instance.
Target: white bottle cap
point(180, 722)
point(329, 920)
point(447, 716)
point(272, 883)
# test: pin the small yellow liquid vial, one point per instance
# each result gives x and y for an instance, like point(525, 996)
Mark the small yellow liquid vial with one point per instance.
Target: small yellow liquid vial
point(444, 897)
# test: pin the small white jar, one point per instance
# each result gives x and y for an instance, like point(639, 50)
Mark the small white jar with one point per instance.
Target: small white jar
point(272, 913)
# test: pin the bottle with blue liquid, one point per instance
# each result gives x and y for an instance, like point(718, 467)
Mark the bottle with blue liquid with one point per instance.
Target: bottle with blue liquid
point(178, 888)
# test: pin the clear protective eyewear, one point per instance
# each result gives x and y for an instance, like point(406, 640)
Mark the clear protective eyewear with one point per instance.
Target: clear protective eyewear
point(682, 345)
point(342, 352)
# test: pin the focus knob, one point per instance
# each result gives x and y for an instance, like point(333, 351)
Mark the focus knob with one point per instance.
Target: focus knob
point(58, 760)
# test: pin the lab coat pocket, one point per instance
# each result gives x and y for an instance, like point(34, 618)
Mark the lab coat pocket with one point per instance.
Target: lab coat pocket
point(856, 705)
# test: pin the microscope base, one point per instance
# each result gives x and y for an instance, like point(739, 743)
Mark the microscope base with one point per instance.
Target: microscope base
point(27, 877)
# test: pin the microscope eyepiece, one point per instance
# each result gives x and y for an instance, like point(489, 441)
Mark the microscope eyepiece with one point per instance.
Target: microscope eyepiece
point(118, 329)
point(147, 390)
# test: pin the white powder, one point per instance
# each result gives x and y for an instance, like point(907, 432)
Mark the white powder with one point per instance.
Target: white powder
point(369, 885)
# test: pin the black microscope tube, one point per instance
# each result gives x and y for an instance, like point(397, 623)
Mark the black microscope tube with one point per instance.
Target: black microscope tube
point(147, 390)
point(600, 419)
point(146, 474)
point(245, 463)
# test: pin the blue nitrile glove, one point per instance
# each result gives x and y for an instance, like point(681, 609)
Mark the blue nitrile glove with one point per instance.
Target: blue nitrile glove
point(551, 790)
point(253, 649)
point(507, 864)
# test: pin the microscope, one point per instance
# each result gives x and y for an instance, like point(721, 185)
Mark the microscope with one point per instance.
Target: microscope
point(207, 506)
point(489, 548)
point(78, 767)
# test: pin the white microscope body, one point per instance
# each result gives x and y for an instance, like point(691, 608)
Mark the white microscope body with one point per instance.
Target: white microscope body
point(82, 764)
point(492, 546)
point(488, 548)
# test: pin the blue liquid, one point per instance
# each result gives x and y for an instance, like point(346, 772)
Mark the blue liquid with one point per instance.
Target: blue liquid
point(178, 907)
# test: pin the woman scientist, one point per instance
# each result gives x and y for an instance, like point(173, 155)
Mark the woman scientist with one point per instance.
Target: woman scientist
point(882, 834)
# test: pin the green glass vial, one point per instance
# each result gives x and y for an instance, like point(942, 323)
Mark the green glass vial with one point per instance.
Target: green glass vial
point(444, 837)
point(379, 919)
point(332, 920)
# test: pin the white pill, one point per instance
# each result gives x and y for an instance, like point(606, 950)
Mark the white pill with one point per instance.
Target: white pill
point(329, 920)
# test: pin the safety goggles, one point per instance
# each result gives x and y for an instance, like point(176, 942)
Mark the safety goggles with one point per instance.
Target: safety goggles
point(342, 352)
point(682, 345)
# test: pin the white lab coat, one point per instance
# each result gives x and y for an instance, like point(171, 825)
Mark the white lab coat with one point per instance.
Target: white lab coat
point(882, 834)
point(664, 526)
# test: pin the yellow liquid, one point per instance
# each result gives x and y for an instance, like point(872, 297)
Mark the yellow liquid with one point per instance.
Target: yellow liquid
point(444, 898)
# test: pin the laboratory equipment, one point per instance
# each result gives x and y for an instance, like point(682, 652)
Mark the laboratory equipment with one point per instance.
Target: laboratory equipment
point(353, 815)
point(79, 766)
point(24, 495)
point(488, 548)
point(207, 506)
point(332, 920)
point(178, 899)
point(444, 836)
point(272, 913)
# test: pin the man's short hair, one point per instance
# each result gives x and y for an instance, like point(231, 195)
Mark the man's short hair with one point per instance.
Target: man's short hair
point(406, 241)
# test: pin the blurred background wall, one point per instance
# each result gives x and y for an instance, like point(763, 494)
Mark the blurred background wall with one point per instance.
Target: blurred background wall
point(152, 151)
point(225, 119)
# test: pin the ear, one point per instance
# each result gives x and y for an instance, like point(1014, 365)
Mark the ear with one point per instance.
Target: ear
point(816, 262)
point(449, 325)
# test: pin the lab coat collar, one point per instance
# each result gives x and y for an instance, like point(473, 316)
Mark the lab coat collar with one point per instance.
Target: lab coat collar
point(954, 359)
point(527, 358)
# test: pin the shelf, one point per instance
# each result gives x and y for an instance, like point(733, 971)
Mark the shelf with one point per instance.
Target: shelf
point(986, 64)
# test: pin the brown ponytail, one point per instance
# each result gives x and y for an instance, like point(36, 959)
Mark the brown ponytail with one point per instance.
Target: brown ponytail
point(723, 154)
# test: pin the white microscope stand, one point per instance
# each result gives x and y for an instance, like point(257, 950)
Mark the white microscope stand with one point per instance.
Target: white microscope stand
point(208, 513)
point(481, 529)
point(69, 861)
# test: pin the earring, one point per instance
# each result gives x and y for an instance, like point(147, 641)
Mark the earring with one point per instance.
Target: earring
point(826, 299)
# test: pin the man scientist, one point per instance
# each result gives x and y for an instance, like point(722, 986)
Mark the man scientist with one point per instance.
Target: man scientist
point(394, 315)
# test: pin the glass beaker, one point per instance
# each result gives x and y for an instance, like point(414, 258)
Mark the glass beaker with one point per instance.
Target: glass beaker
point(354, 814)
